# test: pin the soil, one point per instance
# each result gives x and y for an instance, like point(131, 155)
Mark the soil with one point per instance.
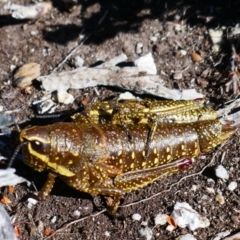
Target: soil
point(178, 25)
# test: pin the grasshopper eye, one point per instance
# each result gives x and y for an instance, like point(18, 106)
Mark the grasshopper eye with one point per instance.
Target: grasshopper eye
point(39, 147)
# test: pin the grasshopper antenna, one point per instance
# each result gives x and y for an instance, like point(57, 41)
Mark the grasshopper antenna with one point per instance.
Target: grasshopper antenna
point(15, 154)
point(19, 130)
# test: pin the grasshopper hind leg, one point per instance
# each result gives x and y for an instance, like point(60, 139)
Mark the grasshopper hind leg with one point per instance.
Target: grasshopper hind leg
point(135, 179)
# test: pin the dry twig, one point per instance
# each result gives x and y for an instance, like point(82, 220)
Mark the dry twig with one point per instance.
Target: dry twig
point(140, 79)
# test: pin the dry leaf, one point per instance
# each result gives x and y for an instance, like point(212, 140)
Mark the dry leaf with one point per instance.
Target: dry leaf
point(196, 57)
point(85, 101)
point(27, 91)
point(5, 200)
point(48, 231)
point(109, 201)
point(17, 231)
point(171, 222)
point(25, 74)
point(10, 189)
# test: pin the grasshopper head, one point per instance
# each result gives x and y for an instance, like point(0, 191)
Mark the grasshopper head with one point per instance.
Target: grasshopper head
point(36, 151)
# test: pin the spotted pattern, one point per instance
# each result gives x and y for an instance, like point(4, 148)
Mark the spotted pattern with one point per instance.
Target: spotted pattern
point(114, 158)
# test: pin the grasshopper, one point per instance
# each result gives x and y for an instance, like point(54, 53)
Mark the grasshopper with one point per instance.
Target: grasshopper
point(116, 147)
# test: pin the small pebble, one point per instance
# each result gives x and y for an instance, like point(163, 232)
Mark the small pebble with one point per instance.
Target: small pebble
point(235, 219)
point(177, 75)
point(216, 37)
point(202, 82)
point(170, 228)
point(220, 198)
point(54, 219)
point(160, 219)
point(210, 190)
point(64, 97)
point(232, 186)
point(33, 33)
point(77, 213)
point(178, 27)
point(194, 188)
point(107, 234)
point(221, 172)
point(187, 236)
point(78, 61)
point(136, 217)
point(185, 216)
point(183, 52)
point(126, 95)
point(31, 202)
point(139, 48)
point(155, 36)
point(12, 67)
point(144, 223)
point(146, 232)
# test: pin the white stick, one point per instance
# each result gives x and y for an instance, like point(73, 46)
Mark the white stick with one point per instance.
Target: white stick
point(133, 78)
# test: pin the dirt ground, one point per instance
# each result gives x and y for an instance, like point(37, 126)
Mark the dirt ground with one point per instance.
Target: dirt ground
point(171, 31)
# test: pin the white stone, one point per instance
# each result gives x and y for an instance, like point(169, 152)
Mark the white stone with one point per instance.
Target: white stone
point(210, 190)
point(31, 202)
point(232, 186)
point(160, 219)
point(183, 52)
point(54, 219)
point(146, 64)
point(139, 48)
point(187, 236)
point(136, 217)
point(194, 188)
point(221, 172)
point(107, 234)
point(216, 37)
point(185, 216)
point(170, 228)
point(127, 96)
point(220, 198)
point(146, 232)
point(64, 97)
point(144, 223)
point(77, 213)
point(78, 61)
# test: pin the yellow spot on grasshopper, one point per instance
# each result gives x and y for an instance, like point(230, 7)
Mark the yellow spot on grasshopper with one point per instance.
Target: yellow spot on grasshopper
point(144, 164)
